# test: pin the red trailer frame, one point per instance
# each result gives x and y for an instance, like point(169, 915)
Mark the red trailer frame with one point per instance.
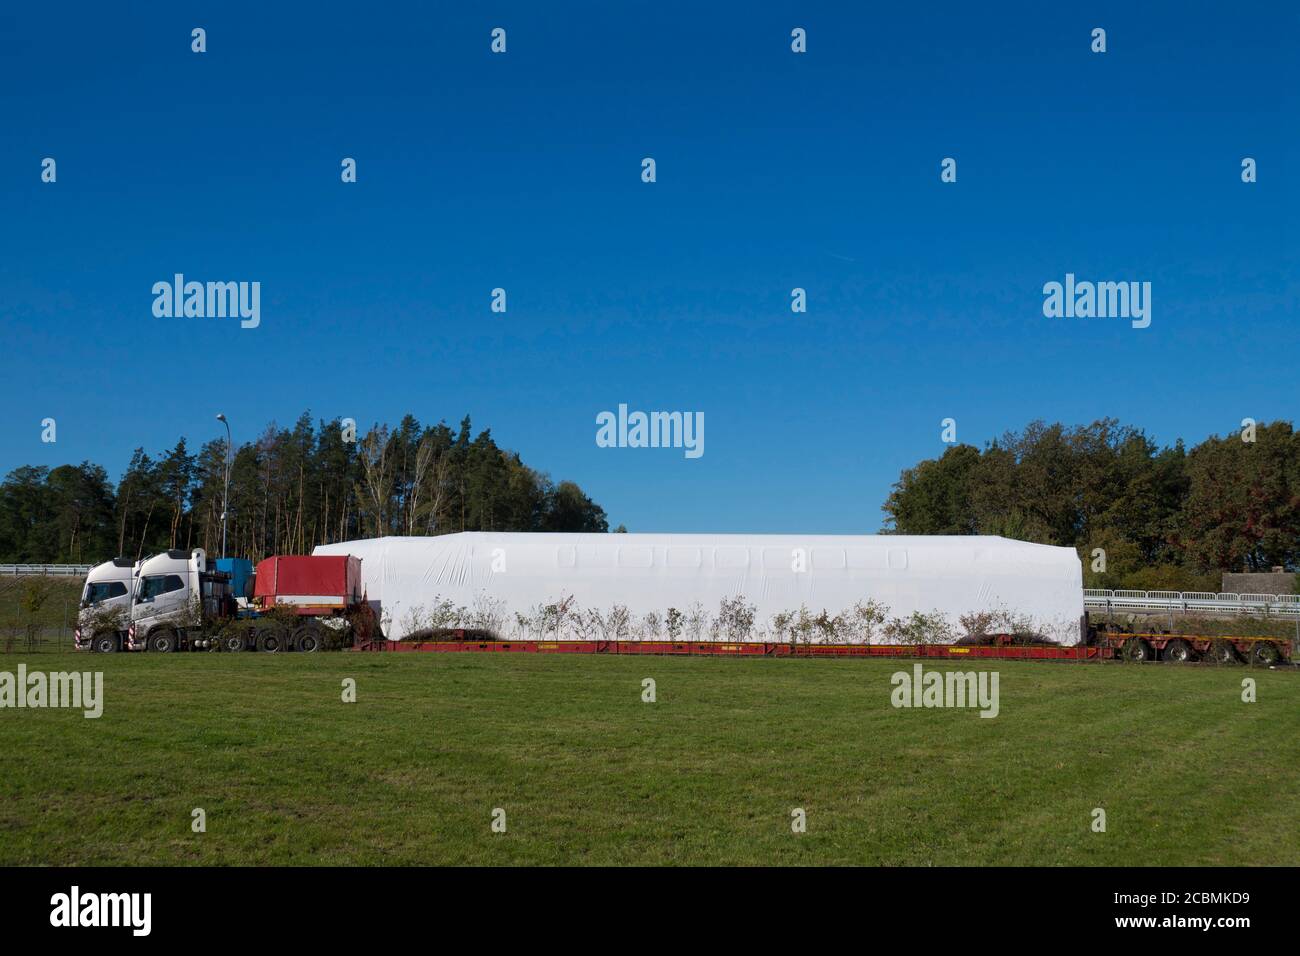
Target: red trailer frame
point(1143, 646)
point(1108, 646)
point(746, 649)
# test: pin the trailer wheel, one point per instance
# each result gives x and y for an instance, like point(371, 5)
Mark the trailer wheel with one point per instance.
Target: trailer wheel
point(1222, 652)
point(104, 644)
point(232, 643)
point(162, 642)
point(1137, 651)
point(270, 641)
point(1264, 654)
point(1178, 651)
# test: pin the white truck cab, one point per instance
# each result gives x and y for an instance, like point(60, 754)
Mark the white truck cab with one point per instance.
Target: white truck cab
point(105, 611)
point(165, 606)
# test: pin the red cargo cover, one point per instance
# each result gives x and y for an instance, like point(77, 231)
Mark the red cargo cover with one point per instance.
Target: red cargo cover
point(328, 579)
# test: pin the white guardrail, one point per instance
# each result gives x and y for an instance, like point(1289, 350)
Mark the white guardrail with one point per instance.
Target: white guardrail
point(60, 570)
point(1268, 604)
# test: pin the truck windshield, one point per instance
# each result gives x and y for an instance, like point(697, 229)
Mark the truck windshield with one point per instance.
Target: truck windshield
point(151, 587)
point(102, 591)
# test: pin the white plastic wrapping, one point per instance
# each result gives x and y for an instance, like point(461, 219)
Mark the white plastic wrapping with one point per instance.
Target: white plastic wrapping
point(492, 580)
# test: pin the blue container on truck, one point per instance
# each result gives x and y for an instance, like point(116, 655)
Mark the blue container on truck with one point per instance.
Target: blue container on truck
point(241, 575)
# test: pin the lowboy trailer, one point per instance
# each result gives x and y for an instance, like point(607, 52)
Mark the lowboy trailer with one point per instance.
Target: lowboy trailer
point(1143, 647)
point(745, 649)
point(1135, 648)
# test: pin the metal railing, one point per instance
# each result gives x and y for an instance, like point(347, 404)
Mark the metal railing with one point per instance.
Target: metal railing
point(1267, 604)
point(57, 570)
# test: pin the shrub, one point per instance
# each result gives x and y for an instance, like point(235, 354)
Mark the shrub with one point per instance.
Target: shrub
point(863, 622)
point(783, 626)
point(674, 622)
point(697, 620)
point(488, 614)
point(735, 619)
point(611, 626)
point(919, 628)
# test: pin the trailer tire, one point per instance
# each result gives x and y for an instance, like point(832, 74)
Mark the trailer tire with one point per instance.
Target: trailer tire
point(271, 640)
point(1264, 654)
point(1222, 652)
point(1136, 651)
point(233, 643)
point(1178, 651)
point(162, 642)
point(104, 644)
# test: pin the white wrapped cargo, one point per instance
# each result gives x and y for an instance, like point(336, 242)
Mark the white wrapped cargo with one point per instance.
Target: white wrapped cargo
point(568, 586)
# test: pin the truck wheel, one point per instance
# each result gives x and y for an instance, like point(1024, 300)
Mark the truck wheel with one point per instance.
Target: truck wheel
point(270, 641)
point(1264, 654)
point(1222, 652)
point(307, 639)
point(1137, 651)
point(104, 644)
point(162, 642)
point(232, 643)
point(1178, 651)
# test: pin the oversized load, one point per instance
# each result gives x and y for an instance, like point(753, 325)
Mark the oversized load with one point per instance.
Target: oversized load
point(693, 586)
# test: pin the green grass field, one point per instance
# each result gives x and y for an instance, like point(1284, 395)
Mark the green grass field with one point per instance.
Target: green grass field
point(589, 774)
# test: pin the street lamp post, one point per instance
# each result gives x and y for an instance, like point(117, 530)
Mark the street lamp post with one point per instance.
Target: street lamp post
point(225, 491)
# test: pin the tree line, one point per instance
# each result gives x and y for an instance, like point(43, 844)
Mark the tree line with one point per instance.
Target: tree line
point(1141, 516)
point(290, 490)
point(1161, 517)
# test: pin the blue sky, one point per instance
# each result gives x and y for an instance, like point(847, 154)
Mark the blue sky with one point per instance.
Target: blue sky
point(775, 170)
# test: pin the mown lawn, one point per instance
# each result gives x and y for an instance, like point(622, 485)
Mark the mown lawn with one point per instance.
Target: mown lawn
point(589, 774)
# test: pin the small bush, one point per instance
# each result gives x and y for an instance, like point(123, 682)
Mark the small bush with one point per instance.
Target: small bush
point(919, 628)
point(735, 619)
point(697, 620)
point(673, 622)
